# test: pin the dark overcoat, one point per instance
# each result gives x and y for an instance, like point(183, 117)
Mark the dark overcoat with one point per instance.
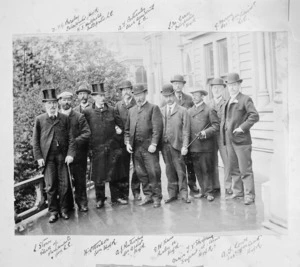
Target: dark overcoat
point(43, 133)
point(151, 125)
point(201, 117)
point(81, 133)
point(104, 142)
point(240, 113)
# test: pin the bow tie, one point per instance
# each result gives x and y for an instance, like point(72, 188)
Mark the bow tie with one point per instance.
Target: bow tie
point(53, 117)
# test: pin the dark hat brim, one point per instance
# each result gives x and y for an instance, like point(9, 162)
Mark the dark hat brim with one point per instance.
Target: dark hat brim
point(167, 94)
point(218, 84)
point(98, 93)
point(50, 99)
point(184, 82)
point(240, 81)
point(136, 93)
point(205, 93)
point(83, 90)
point(127, 87)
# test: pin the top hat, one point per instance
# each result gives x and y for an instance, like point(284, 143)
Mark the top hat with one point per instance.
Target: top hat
point(125, 84)
point(178, 78)
point(65, 94)
point(139, 88)
point(218, 81)
point(233, 78)
point(49, 95)
point(167, 90)
point(83, 88)
point(98, 88)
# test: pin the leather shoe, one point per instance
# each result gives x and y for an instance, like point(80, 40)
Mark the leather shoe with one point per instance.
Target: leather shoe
point(100, 204)
point(248, 201)
point(156, 205)
point(146, 201)
point(210, 198)
point(198, 195)
point(121, 201)
point(171, 199)
point(233, 196)
point(194, 189)
point(186, 200)
point(137, 197)
point(64, 215)
point(228, 191)
point(83, 208)
point(53, 218)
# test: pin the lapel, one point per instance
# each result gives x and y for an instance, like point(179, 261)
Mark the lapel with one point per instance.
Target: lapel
point(57, 120)
point(197, 110)
point(237, 98)
point(175, 109)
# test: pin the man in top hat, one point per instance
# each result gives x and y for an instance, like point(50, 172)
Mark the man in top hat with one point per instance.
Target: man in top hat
point(186, 101)
point(204, 125)
point(239, 116)
point(122, 109)
point(83, 93)
point(104, 144)
point(143, 132)
point(175, 141)
point(53, 148)
point(81, 133)
point(218, 102)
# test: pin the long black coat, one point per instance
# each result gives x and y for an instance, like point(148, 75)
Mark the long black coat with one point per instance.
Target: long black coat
point(81, 133)
point(104, 142)
point(43, 133)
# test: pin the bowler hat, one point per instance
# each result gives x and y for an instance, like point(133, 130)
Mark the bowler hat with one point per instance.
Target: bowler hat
point(49, 95)
point(178, 78)
point(233, 78)
point(203, 92)
point(139, 88)
point(98, 88)
point(83, 88)
point(167, 90)
point(64, 94)
point(125, 84)
point(218, 81)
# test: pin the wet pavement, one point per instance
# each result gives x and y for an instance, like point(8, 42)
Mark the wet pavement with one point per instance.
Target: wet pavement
point(220, 216)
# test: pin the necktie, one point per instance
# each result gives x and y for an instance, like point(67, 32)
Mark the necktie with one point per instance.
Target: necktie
point(169, 112)
point(53, 117)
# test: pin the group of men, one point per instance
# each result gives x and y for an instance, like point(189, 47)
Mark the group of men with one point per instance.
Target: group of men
point(188, 132)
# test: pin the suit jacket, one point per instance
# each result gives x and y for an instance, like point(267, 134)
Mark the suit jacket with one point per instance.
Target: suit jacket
point(218, 107)
point(186, 101)
point(122, 111)
point(179, 125)
point(200, 118)
point(150, 122)
point(80, 131)
point(241, 113)
point(79, 108)
point(43, 133)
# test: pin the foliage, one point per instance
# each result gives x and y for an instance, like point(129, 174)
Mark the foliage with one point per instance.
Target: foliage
point(61, 62)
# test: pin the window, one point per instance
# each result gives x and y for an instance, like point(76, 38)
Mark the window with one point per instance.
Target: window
point(223, 57)
point(140, 75)
point(209, 60)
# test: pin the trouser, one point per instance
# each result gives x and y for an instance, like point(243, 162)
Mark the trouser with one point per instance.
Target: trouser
point(219, 146)
point(204, 168)
point(135, 183)
point(57, 183)
point(175, 171)
point(148, 171)
point(119, 189)
point(240, 167)
point(78, 169)
point(100, 191)
point(190, 170)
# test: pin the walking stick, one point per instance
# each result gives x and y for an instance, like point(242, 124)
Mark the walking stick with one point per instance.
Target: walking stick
point(197, 135)
point(71, 183)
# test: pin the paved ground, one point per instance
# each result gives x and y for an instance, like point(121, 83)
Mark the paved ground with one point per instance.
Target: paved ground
point(220, 216)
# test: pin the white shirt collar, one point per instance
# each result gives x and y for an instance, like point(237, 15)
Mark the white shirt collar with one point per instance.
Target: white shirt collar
point(171, 106)
point(128, 101)
point(199, 104)
point(98, 106)
point(55, 114)
point(84, 105)
point(234, 96)
point(218, 100)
